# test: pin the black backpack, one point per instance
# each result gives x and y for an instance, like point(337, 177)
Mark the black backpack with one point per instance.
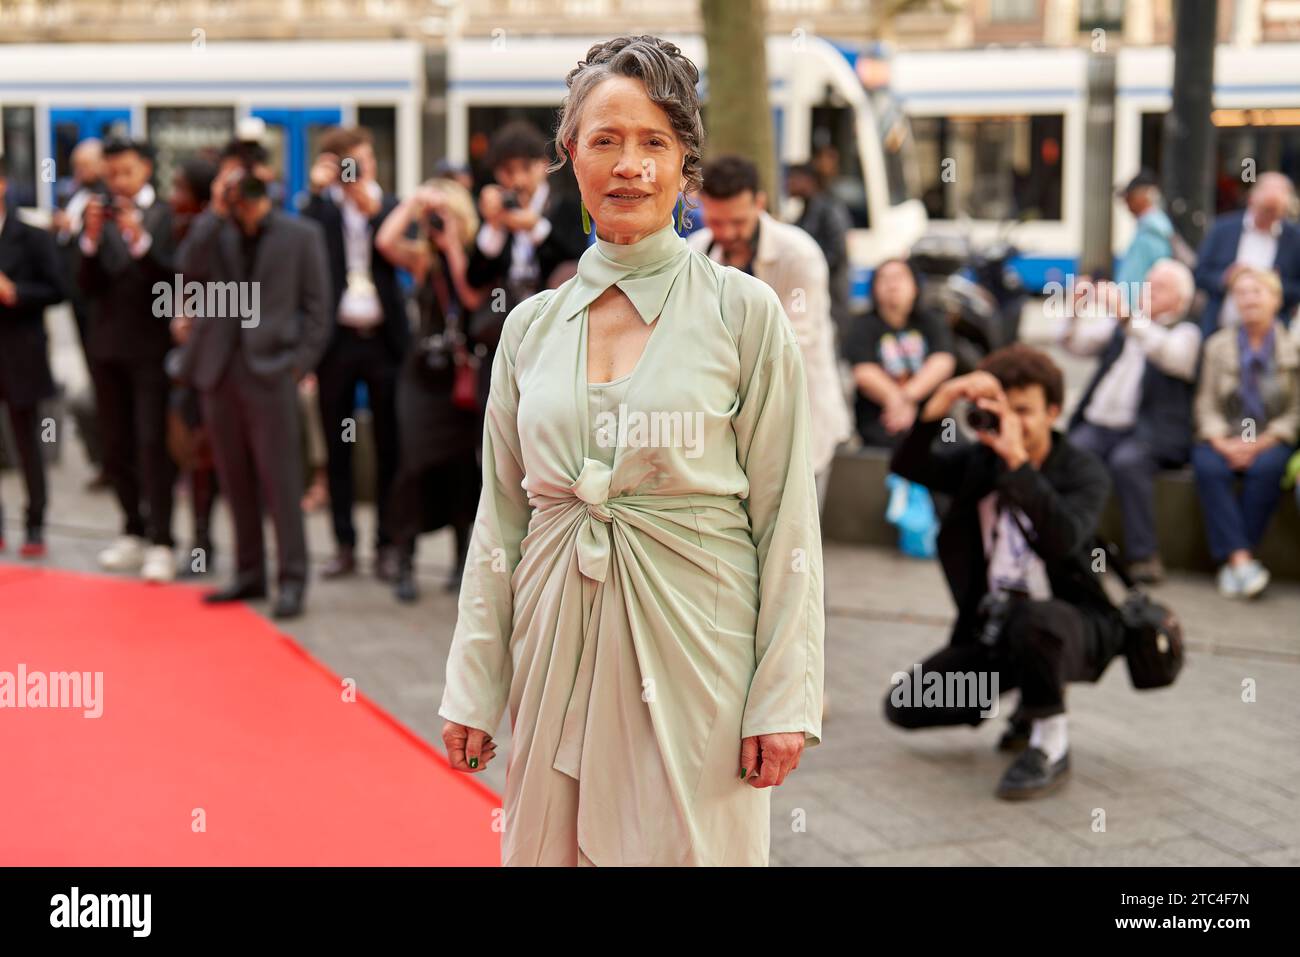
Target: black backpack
point(1153, 635)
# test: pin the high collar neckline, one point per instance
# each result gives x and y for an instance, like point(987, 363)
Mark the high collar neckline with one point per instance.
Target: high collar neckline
point(659, 246)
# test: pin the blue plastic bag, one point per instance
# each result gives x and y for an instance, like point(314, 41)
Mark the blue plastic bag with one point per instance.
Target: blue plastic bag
point(912, 510)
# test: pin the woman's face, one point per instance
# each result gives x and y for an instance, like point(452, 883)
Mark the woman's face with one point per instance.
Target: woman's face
point(1255, 302)
point(628, 161)
point(894, 289)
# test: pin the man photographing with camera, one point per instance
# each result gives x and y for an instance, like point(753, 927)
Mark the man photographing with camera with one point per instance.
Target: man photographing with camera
point(247, 372)
point(1016, 548)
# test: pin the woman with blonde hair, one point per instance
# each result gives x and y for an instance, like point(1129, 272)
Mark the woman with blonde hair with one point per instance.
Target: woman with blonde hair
point(438, 396)
point(644, 585)
point(1247, 419)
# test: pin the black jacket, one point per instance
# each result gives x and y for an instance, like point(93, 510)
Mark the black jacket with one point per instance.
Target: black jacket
point(294, 316)
point(119, 291)
point(1063, 501)
point(565, 242)
point(396, 330)
point(29, 258)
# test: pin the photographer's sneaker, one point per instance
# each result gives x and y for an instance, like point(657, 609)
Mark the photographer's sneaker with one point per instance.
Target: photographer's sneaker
point(159, 564)
point(124, 555)
point(1032, 775)
point(1253, 578)
point(1229, 584)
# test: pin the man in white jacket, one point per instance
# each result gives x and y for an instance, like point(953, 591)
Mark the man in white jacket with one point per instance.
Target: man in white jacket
point(739, 232)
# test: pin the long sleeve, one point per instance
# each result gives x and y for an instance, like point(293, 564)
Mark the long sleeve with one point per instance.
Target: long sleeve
point(316, 298)
point(46, 288)
point(197, 254)
point(1211, 423)
point(773, 447)
point(939, 468)
point(1174, 350)
point(1086, 336)
point(479, 666)
point(1065, 515)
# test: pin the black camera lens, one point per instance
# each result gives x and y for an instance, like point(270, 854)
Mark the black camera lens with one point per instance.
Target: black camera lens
point(435, 222)
point(982, 420)
point(510, 200)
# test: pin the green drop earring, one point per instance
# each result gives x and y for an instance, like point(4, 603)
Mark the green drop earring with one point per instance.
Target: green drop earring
point(681, 212)
point(586, 219)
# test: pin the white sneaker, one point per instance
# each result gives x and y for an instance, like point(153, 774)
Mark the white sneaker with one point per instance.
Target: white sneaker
point(159, 564)
point(124, 555)
point(1253, 578)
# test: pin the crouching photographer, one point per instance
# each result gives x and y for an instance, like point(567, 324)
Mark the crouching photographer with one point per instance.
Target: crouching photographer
point(1016, 549)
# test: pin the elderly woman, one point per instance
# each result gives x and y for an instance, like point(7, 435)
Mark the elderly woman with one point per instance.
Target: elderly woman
point(644, 584)
point(1247, 417)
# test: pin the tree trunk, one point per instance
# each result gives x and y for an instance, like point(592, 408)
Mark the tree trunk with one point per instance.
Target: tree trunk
point(739, 116)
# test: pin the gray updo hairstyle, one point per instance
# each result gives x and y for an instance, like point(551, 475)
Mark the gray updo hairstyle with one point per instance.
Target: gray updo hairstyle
point(669, 79)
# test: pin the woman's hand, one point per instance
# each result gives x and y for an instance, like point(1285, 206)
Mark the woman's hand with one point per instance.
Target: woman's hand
point(766, 759)
point(468, 749)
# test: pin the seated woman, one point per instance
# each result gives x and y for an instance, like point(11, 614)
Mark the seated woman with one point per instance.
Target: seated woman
point(899, 354)
point(1247, 417)
point(439, 419)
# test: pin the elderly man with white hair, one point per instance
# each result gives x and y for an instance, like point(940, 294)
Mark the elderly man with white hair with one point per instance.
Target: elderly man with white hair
point(1261, 235)
point(1136, 413)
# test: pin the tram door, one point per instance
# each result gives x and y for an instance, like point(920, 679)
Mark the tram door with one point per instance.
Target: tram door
point(292, 135)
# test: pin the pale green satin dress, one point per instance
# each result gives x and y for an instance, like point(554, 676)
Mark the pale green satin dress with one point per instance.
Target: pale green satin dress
point(644, 588)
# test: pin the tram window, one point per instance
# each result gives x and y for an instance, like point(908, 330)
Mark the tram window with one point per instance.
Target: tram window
point(835, 154)
point(18, 146)
point(990, 167)
point(178, 133)
point(381, 121)
point(1254, 141)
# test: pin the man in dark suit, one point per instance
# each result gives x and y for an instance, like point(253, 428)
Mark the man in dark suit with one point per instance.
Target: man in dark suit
point(371, 334)
point(1015, 546)
point(529, 229)
point(127, 248)
point(30, 280)
point(246, 363)
point(1259, 235)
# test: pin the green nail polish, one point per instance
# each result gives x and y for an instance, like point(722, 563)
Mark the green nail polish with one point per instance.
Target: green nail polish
point(473, 762)
point(742, 774)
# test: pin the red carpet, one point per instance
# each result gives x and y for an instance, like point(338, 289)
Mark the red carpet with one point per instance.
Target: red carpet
point(212, 709)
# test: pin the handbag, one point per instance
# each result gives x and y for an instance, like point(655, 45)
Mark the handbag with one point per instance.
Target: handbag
point(1153, 635)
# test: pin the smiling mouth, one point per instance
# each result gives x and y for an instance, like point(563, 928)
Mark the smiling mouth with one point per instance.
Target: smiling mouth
point(626, 197)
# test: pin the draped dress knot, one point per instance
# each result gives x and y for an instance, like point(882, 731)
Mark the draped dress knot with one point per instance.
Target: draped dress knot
point(592, 488)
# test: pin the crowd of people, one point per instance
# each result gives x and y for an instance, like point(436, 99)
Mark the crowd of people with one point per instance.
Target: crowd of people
point(1194, 366)
point(395, 304)
point(231, 342)
point(245, 378)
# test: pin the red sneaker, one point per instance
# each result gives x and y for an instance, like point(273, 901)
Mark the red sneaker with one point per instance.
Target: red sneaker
point(32, 550)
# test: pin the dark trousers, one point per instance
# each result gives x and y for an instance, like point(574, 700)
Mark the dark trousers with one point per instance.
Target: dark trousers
point(1133, 468)
point(254, 428)
point(352, 359)
point(1045, 645)
point(26, 423)
point(1236, 521)
point(131, 406)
